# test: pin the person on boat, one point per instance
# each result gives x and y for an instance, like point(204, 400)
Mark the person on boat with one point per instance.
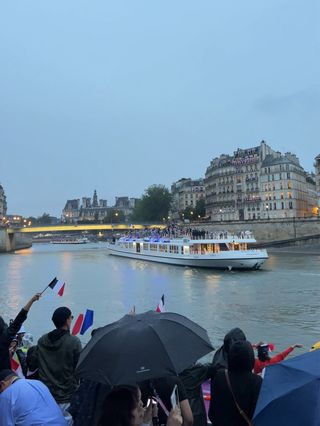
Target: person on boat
point(56, 357)
point(264, 359)
point(235, 389)
point(124, 407)
point(8, 333)
point(26, 402)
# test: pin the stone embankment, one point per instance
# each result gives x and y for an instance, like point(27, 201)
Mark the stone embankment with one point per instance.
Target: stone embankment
point(13, 241)
point(273, 232)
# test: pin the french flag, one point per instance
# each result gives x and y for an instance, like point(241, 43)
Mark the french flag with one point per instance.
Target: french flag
point(83, 322)
point(160, 307)
point(57, 286)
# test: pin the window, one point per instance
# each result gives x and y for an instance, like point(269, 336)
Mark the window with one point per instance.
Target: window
point(289, 195)
point(288, 175)
point(289, 185)
point(281, 195)
point(290, 205)
point(274, 206)
point(282, 206)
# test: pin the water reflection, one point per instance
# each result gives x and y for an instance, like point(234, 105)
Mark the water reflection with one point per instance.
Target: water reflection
point(279, 303)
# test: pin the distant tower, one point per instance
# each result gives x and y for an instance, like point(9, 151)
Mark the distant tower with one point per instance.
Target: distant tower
point(3, 203)
point(95, 199)
point(317, 167)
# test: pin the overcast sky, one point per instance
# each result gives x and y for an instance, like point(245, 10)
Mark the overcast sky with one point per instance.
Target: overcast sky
point(119, 95)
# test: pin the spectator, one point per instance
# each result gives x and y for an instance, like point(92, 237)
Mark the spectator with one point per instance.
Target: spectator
point(236, 390)
point(123, 407)
point(56, 358)
point(8, 333)
point(264, 359)
point(192, 379)
point(163, 387)
point(26, 402)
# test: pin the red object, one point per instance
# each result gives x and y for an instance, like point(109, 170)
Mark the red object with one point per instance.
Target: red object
point(77, 326)
point(260, 365)
point(60, 292)
point(271, 347)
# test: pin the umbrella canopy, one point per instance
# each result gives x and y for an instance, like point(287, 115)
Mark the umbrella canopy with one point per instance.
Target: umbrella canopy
point(290, 393)
point(141, 347)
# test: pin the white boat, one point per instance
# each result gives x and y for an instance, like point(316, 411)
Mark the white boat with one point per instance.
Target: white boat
point(224, 252)
point(82, 240)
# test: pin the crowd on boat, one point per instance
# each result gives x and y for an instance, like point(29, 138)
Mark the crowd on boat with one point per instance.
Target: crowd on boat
point(175, 231)
point(45, 388)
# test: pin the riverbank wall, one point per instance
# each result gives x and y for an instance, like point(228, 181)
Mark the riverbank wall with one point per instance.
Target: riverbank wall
point(269, 231)
point(13, 241)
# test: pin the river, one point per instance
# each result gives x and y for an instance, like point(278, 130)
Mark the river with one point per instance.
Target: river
point(279, 304)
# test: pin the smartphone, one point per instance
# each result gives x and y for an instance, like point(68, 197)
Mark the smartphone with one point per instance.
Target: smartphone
point(174, 397)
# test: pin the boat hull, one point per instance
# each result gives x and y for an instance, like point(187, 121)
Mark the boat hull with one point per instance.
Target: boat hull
point(250, 259)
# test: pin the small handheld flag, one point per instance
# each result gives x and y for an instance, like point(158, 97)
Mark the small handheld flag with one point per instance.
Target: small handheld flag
point(160, 307)
point(83, 322)
point(57, 286)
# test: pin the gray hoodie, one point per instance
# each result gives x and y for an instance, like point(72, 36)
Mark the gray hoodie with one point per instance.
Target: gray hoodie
point(56, 356)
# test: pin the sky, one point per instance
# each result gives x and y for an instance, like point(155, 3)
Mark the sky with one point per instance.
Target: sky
point(119, 95)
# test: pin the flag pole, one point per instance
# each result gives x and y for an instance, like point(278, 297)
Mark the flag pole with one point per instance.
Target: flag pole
point(48, 285)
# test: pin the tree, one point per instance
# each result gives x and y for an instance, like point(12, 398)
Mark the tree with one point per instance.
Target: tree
point(45, 219)
point(114, 216)
point(154, 204)
point(200, 209)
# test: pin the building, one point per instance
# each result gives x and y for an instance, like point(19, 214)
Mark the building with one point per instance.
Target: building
point(126, 205)
point(185, 192)
point(258, 183)
point(88, 210)
point(317, 177)
point(3, 203)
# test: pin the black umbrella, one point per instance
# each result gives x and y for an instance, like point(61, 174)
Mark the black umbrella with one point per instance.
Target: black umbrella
point(141, 347)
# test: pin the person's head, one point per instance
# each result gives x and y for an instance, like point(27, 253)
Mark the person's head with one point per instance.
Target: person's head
point(62, 318)
point(241, 357)
point(263, 352)
point(234, 335)
point(122, 407)
point(7, 377)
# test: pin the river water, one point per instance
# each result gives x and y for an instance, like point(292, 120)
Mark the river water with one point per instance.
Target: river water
point(279, 304)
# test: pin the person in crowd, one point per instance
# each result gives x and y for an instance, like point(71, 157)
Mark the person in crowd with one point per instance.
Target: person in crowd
point(124, 407)
point(56, 357)
point(162, 388)
point(236, 389)
point(8, 333)
point(26, 402)
point(264, 358)
point(220, 358)
point(192, 379)
point(86, 402)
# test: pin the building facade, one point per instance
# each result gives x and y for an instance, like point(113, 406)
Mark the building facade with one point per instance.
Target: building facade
point(126, 205)
point(258, 183)
point(317, 177)
point(87, 210)
point(185, 192)
point(3, 203)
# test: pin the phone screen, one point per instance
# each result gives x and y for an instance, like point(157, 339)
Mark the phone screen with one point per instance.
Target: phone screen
point(174, 397)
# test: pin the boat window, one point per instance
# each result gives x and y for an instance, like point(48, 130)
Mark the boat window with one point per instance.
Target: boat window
point(130, 245)
point(223, 247)
point(173, 249)
point(153, 247)
point(163, 248)
point(145, 246)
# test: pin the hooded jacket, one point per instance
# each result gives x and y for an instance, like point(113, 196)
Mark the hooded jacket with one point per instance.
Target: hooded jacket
point(56, 357)
point(7, 334)
point(245, 386)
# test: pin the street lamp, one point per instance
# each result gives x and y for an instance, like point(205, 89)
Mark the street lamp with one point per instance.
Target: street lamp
point(267, 208)
point(220, 214)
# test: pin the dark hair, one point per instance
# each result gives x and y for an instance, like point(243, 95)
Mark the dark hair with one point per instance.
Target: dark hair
point(3, 326)
point(118, 406)
point(263, 352)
